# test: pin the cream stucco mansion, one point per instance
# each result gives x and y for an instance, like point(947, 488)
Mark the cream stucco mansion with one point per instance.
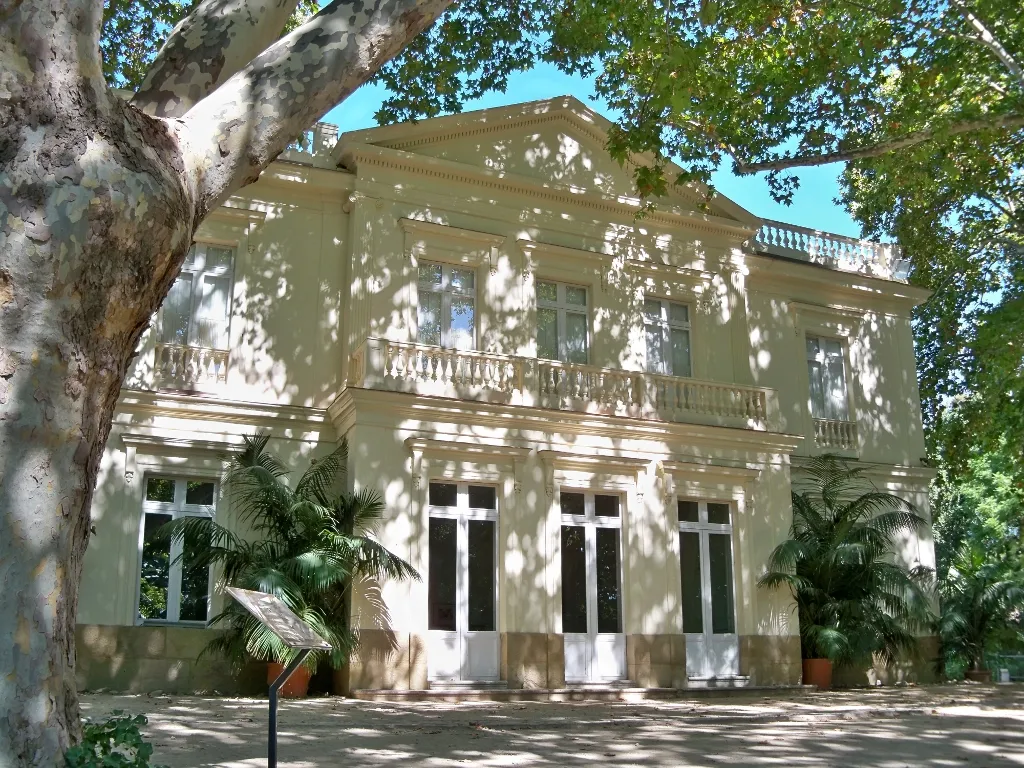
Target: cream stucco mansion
point(585, 424)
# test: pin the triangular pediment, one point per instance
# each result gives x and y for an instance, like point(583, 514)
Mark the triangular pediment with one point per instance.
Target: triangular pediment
point(556, 142)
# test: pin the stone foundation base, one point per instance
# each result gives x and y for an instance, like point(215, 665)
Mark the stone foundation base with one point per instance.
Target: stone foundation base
point(385, 660)
point(922, 669)
point(533, 660)
point(656, 661)
point(770, 659)
point(154, 658)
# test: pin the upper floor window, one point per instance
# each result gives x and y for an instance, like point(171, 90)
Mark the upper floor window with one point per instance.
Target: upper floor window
point(667, 329)
point(197, 310)
point(447, 306)
point(826, 370)
point(170, 589)
point(562, 326)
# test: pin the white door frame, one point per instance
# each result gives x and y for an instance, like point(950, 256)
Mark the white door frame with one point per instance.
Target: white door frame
point(465, 655)
point(711, 655)
point(602, 654)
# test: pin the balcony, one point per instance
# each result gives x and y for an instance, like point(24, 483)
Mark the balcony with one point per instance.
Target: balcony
point(835, 435)
point(180, 366)
point(847, 254)
point(313, 146)
point(488, 377)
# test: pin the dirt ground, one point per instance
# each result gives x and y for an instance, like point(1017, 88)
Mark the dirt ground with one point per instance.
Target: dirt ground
point(954, 725)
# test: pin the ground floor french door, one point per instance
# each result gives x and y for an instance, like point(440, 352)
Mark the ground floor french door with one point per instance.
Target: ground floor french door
point(462, 639)
point(709, 613)
point(595, 647)
point(708, 589)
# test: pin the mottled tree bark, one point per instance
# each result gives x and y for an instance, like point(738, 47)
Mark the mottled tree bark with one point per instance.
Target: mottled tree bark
point(98, 205)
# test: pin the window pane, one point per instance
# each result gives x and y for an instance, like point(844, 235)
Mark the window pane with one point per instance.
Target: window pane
point(481, 576)
point(574, 579)
point(547, 292)
point(678, 313)
point(461, 334)
point(547, 334)
point(813, 347)
point(176, 308)
point(689, 512)
point(195, 583)
point(574, 295)
point(443, 494)
point(429, 319)
point(461, 280)
point(430, 274)
point(655, 355)
point(213, 312)
point(572, 503)
point(218, 258)
point(817, 392)
point(718, 514)
point(483, 497)
point(680, 341)
point(441, 584)
point(652, 310)
point(190, 258)
point(720, 564)
point(199, 492)
point(155, 570)
point(608, 614)
point(159, 489)
point(835, 386)
point(693, 602)
point(606, 506)
point(575, 338)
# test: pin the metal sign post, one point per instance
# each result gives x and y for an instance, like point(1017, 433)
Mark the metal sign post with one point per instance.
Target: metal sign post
point(294, 632)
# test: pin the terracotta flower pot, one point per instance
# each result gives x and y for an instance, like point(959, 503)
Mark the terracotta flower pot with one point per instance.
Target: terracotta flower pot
point(979, 675)
point(297, 685)
point(818, 672)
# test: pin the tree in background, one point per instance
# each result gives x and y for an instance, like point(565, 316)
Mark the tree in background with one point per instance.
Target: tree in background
point(100, 198)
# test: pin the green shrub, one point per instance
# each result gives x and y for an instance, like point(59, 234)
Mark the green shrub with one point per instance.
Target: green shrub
point(114, 743)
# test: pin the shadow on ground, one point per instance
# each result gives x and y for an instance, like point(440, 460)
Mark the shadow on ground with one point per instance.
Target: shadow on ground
point(966, 725)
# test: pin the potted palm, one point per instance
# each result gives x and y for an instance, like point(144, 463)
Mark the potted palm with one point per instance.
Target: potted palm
point(853, 600)
point(309, 544)
point(981, 596)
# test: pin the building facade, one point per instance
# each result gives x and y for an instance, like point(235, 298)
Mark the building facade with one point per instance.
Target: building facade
point(585, 423)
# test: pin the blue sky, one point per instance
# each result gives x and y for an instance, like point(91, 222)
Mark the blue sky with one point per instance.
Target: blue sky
point(812, 206)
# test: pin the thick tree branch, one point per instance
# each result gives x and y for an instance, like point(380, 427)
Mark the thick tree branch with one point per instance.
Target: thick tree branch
point(241, 127)
point(1001, 122)
point(208, 46)
point(990, 41)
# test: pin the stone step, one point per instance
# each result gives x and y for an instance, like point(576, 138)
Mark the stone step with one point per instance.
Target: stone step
point(729, 681)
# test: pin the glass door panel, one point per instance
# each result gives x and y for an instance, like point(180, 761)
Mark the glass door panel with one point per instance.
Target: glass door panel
point(574, 579)
point(723, 617)
point(693, 600)
point(481, 576)
point(441, 587)
point(609, 618)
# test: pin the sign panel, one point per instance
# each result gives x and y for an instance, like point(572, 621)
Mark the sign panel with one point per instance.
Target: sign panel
point(279, 619)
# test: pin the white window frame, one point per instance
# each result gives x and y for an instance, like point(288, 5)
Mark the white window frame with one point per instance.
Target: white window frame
point(590, 522)
point(666, 325)
point(198, 271)
point(821, 359)
point(176, 509)
point(446, 292)
point(462, 514)
point(703, 528)
point(562, 308)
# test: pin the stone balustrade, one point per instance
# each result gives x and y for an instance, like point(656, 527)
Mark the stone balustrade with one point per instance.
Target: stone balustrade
point(313, 146)
point(473, 375)
point(848, 254)
point(184, 366)
point(835, 435)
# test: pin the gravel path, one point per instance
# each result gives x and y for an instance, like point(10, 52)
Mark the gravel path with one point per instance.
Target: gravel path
point(953, 725)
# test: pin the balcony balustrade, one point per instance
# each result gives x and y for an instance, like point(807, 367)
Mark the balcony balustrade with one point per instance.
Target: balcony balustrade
point(848, 254)
point(472, 375)
point(313, 146)
point(187, 367)
point(835, 435)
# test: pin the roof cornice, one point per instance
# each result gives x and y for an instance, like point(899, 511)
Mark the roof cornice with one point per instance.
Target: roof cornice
point(355, 155)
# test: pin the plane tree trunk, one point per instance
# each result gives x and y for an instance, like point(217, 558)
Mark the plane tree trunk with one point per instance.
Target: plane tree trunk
point(99, 202)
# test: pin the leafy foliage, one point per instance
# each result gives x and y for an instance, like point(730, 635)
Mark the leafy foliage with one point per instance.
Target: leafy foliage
point(982, 597)
point(311, 542)
point(114, 743)
point(853, 600)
